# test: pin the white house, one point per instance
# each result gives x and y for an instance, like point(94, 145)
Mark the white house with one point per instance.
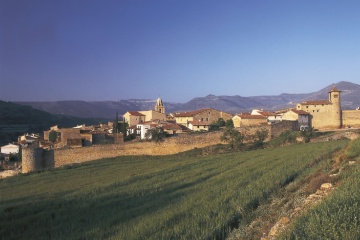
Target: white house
point(10, 148)
point(143, 128)
point(271, 117)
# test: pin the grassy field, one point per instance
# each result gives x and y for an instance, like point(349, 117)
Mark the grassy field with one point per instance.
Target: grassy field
point(169, 197)
point(337, 217)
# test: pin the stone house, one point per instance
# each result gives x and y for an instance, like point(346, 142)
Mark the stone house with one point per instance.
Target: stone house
point(10, 149)
point(207, 115)
point(303, 118)
point(271, 117)
point(199, 126)
point(247, 119)
point(324, 113)
point(133, 118)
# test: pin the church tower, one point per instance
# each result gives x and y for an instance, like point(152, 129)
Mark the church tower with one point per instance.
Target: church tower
point(334, 98)
point(159, 106)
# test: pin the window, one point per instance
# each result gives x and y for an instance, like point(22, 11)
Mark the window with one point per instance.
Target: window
point(207, 119)
point(317, 110)
point(202, 119)
point(307, 106)
point(335, 96)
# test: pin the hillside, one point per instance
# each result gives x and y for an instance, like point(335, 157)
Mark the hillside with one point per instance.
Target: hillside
point(182, 196)
point(232, 104)
point(18, 119)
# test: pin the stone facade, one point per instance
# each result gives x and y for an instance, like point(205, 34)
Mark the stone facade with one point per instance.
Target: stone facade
point(351, 118)
point(35, 159)
point(208, 115)
point(324, 113)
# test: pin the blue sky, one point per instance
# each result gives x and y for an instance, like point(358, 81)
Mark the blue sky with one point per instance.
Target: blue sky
point(176, 49)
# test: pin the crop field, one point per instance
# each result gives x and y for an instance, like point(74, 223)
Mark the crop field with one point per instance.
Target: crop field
point(143, 197)
point(338, 217)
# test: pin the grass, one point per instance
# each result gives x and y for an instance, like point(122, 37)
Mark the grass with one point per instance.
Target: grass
point(168, 197)
point(337, 217)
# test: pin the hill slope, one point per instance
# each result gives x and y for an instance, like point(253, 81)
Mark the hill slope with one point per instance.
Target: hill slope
point(18, 119)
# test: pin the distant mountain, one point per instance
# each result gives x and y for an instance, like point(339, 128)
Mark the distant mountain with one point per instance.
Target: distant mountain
point(18, 119)
point(232, 104)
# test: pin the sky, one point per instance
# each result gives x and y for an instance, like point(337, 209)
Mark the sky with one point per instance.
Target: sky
point(98, 50)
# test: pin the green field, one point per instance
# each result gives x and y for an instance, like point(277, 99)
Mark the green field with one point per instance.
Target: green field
point(169, 197)
point(338, 216)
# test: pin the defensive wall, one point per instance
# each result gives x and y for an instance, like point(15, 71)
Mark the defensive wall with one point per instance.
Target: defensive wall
point(351, 118)
point(34, 159)
point(274, 129)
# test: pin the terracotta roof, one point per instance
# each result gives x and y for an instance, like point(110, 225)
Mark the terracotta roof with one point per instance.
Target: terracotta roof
point(299, 111)
point(249, 116)
point(268, 114)
point(334, 89)
point(199, 123)
point(191, 113)
point(317, 102)
point(136, 113)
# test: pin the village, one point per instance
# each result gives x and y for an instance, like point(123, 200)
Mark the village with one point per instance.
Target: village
point(33, 149)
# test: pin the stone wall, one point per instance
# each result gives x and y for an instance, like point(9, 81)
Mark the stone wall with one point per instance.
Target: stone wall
point(32, 159)
point(351, 118)
point(35, 159)
point(277, 128)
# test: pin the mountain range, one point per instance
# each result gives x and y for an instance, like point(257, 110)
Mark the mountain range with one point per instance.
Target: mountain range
point(233, 104)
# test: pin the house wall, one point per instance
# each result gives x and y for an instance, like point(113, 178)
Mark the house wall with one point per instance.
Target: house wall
point(151, 115)
point(237, 121)
point(183, 120)
point(252, 122)
point(198, 128)
point(351, 118)
point(211, 116)
point(323, 116)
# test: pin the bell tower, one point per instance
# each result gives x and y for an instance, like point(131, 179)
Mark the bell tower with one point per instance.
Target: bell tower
point(334, 98)
point(159, 106)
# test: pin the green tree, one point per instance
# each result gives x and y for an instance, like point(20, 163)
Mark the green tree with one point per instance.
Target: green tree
point(260, 137)
point(229, 123)
point(307, 134)
point(233, 137)
point(220, 122)
point(156, 134)
point(53, 136)
point(116, 124)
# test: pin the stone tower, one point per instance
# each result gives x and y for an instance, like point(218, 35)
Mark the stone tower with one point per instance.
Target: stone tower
point(159, 106)
point(334, 98)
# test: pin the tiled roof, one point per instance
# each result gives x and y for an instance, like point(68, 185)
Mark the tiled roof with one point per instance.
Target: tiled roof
point(191, 113)
point(249, 116)
point(136, 113)
point(268, 114)
point(199, 123)
point(317, 102)
point(299, 111)
point(334, 89)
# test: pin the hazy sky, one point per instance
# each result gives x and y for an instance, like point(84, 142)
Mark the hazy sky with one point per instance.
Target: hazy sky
point(177, 49)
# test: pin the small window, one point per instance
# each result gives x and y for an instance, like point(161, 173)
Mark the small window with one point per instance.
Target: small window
point(307, 106)
point(336, 96)
point(207, 119)
point(317, 110)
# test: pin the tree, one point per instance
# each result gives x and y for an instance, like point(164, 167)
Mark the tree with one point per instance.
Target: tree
point(156, 134)
point(220, 122)
point(260, 137)
point(53, 136)
point(232, 137)
point(116, 123)
point(307, 134)
point(229, 123)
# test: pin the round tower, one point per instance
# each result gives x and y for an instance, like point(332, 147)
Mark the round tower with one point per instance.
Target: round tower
point(31, 159)
point(159, 106)
point(334, 98)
